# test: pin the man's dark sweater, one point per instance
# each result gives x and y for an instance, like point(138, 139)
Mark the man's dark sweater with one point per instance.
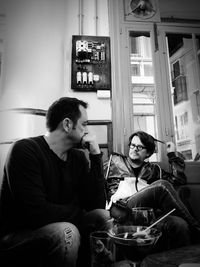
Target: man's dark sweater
point(39, 188)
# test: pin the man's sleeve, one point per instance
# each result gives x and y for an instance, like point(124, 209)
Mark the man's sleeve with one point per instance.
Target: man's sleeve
point(24, 170)
point(93, 183)
point(177, 163)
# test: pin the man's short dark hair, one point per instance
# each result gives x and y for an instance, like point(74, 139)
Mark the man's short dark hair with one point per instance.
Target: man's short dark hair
point(147, 140)
point(65, 107)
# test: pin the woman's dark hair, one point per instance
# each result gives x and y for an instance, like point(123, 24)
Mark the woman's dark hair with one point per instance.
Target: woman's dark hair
point(65, 107)
point(147, 140)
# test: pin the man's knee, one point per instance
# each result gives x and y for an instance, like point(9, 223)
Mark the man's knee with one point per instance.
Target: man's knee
point(63, 228)
point(164, 184)
point(177, 223)
point(62, 233)
point(176, 231)
point(63, 243)
point(96, 220)
point(71, 234)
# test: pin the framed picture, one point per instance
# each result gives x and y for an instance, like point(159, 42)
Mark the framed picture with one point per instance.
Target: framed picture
point(91, 63)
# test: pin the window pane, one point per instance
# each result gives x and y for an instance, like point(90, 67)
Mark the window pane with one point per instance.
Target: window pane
point(143, 87)
point(185, 93)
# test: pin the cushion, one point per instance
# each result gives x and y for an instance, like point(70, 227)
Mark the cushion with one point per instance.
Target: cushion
point(174, 257)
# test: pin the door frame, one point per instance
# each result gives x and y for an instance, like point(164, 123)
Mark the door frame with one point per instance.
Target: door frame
point(126, 78)
point(192, 167)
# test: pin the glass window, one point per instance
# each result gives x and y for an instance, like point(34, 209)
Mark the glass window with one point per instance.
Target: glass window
point(183, 57)
point(144, 116)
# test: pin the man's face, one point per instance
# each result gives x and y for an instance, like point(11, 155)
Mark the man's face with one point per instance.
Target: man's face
point(137, 150)
point(80, 128)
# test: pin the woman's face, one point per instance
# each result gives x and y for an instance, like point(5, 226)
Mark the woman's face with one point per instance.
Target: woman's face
point(137, 150)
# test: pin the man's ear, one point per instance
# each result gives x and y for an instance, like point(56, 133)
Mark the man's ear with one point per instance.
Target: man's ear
point(67, 124)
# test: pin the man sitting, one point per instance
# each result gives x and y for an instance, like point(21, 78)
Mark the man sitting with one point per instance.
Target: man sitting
point(140, 183)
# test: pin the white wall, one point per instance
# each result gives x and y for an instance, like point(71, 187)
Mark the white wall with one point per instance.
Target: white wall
point(37, 48)
point(37, 52)
point(36, 67)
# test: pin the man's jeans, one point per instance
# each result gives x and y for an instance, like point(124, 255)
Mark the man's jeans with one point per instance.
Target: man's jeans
point(56, 244)
point(175, 233)
point(161, 195)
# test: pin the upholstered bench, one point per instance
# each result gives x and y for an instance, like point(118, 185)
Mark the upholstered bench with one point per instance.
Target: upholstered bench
point(191, 254)
point(173, 258)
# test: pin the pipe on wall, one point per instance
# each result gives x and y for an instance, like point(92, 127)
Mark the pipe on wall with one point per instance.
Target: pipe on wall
point(96, 16)
point(80, 15)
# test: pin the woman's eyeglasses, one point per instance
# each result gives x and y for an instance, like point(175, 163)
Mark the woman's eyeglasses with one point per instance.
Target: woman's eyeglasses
point(138, 147)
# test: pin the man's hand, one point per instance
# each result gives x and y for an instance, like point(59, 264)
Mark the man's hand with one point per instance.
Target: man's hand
point(89, 141)
point(120, 212)
point(125, 189)
point(170, 147)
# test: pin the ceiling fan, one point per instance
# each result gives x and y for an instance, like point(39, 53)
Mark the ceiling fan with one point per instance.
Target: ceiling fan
point(143, 9)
